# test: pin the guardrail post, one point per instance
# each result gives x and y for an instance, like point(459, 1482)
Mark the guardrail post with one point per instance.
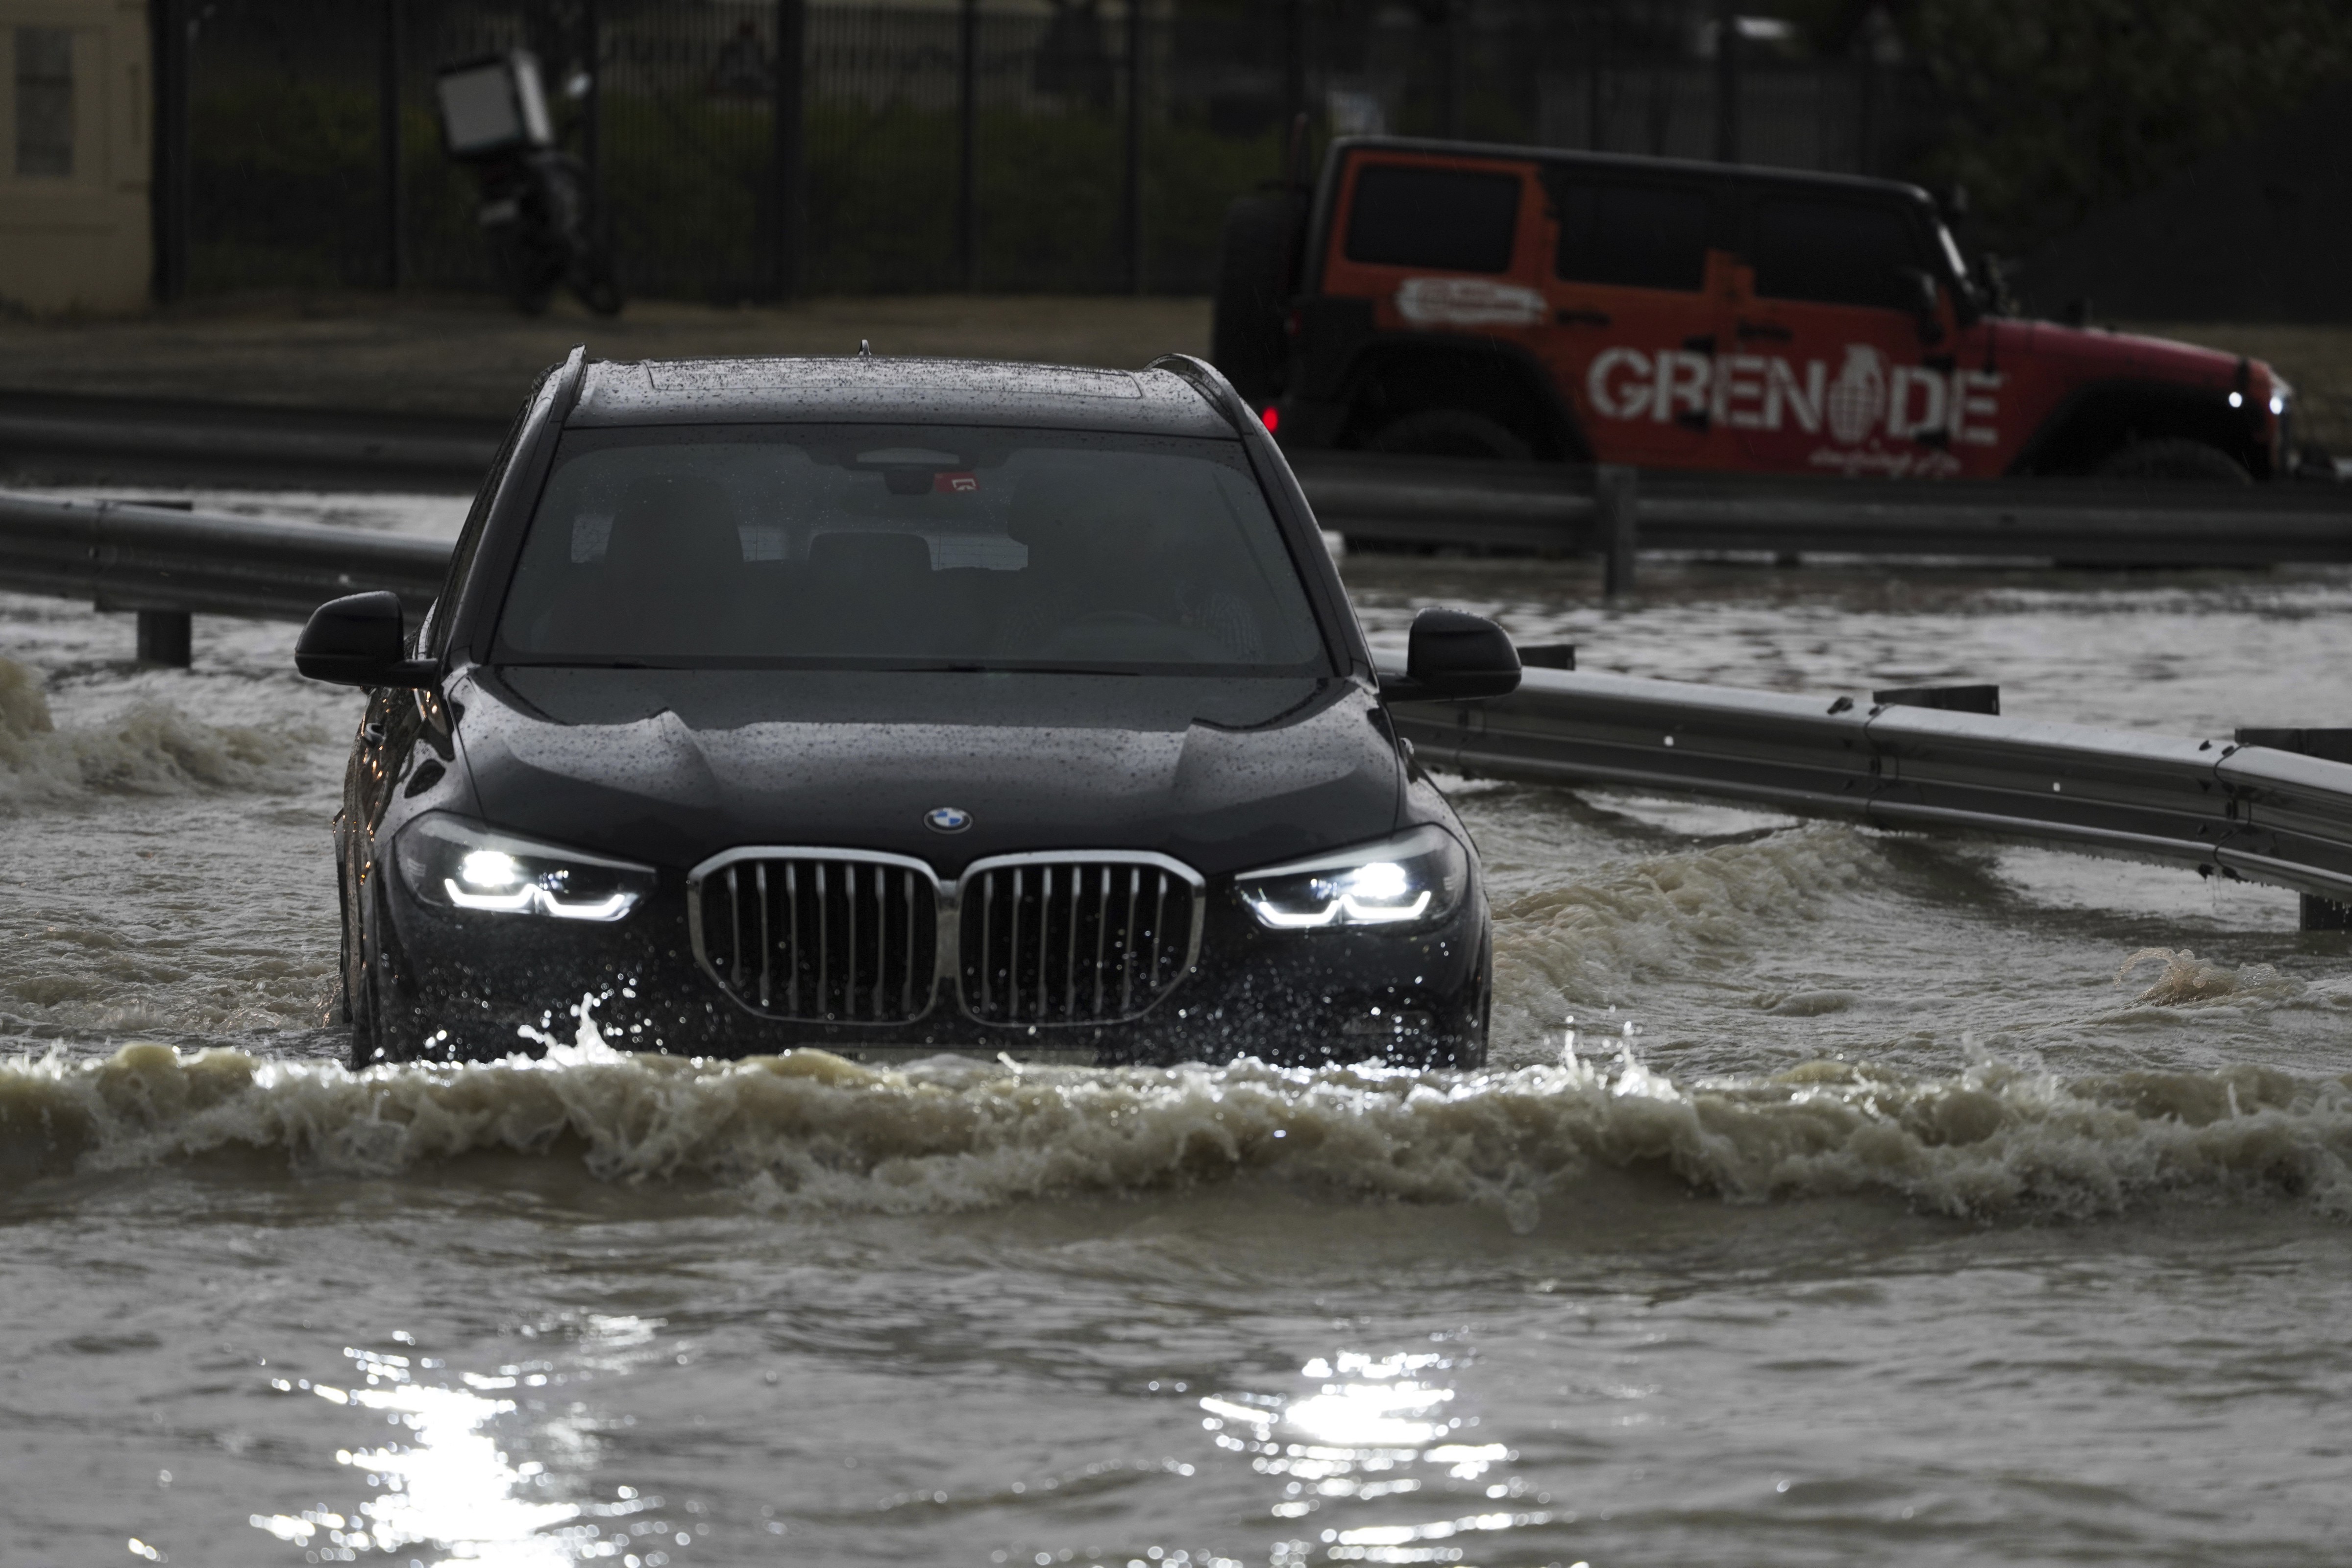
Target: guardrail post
point(1616, 516)
point(166, 637)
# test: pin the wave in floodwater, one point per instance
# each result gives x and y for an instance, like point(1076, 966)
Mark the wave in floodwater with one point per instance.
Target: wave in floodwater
point(809, 1130)
point(148, 748)
point(1587, 938)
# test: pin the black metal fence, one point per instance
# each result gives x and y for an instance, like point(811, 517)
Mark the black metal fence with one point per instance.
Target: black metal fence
point(754, 148)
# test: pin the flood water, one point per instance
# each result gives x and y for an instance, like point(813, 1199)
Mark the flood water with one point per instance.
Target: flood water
point(1900, 1199)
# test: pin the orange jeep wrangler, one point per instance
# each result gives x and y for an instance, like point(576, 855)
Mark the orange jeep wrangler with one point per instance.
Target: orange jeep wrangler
point(1457, 300)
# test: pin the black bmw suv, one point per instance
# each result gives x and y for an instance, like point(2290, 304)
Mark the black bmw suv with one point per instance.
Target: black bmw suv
point(896, 707)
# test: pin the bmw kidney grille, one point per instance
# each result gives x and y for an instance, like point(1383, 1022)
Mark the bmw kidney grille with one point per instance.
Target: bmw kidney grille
point(857, 936)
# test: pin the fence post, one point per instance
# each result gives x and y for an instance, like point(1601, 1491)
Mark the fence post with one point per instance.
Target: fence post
point(1132, 191)
point(1727, 82)
point(1453, 107)
point(1596, 112)
point(169, 161)
point(1294, 61)
point(388, 78)
point(968, 146)
point(1616, 517)
point(592, 128)
point(787, 156)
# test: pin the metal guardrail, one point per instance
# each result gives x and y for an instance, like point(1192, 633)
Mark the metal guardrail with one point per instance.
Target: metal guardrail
point(2248, 812)
point(1385, 500)
point(70, 435)
point(2257, 812)
point(120, 556)
point(1372, 498)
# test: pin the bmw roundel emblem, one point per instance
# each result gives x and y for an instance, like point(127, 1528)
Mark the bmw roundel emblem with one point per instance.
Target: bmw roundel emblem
point(947, 818)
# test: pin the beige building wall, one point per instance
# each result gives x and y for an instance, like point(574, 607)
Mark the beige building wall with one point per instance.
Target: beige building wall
point(75, 105)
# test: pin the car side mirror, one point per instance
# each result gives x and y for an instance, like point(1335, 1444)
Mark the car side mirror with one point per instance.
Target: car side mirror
point(357, 641)
point(1926, 302)
point(1454, 657)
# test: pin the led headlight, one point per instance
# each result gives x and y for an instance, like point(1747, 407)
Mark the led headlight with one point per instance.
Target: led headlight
point(1412, 879)
point(460, 864)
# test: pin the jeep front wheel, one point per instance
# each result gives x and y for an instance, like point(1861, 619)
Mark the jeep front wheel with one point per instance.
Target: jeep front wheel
point(2175, 461)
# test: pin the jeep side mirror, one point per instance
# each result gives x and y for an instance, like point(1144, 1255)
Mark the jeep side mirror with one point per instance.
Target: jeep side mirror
point(1454, 657)
point(1924, 302)
point(356, 641)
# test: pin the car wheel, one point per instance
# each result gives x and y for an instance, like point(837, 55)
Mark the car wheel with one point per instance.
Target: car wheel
point(2175, 461)
point(596, 289)
point(369, 1046)
point(1472, 1052)
point(1449, 433)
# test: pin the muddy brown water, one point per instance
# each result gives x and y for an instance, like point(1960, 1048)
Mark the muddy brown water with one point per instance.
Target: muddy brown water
point(1870, 1218)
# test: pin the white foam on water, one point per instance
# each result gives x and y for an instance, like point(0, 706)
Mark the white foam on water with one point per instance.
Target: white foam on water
point(808, 1129)
point(1601, 939)
point(148, 747)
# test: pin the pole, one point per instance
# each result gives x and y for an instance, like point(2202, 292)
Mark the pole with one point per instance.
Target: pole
point(388, 78)
point(1596, 136)
point(1726, 83)
point(788, 171)
point(1132, 191)
point(1616, 516)
point(1456, 111)
point(1294, 61)
point(592, 128)
point(968, 147)
point(169, 173)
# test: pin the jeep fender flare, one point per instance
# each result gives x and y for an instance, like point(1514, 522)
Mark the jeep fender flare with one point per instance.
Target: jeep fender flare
point(2097, 419)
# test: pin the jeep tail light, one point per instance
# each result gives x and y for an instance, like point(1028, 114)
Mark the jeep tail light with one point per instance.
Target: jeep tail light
point(1272, 417)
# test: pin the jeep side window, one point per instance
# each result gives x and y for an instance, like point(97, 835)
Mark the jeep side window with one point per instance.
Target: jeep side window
point(1448, 220)
point(1834, 253)
point(1638, 236)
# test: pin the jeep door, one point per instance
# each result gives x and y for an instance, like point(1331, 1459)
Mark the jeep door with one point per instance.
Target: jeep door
point(1639, 267)
point(1835, 361)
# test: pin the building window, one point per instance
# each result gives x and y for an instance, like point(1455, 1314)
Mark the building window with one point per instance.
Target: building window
point(45, 103)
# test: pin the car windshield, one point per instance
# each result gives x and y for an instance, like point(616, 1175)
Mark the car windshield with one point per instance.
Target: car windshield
point(911, 546)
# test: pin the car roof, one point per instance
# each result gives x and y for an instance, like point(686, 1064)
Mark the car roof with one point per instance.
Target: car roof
point(1632, 163)
point(885, 391)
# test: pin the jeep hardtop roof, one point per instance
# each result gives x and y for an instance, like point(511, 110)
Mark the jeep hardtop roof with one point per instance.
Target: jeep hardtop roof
point(1631, 164)
point(880, 390)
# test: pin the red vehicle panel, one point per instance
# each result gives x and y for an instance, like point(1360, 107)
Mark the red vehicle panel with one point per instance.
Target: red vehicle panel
point(1503, 302)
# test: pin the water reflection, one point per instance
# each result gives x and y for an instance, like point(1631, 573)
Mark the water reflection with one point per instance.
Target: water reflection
point(1371, 1429)
point(448, 1492)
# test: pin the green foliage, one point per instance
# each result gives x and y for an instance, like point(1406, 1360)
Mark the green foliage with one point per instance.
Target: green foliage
point(2058, 107)
point(284, 187)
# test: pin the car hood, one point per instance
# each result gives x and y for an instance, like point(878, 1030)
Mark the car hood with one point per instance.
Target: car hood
point(672, 766)
point(2097, 351)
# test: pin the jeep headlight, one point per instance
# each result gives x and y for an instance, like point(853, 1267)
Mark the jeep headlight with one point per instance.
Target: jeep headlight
point(1412, 879)
point(459, 864)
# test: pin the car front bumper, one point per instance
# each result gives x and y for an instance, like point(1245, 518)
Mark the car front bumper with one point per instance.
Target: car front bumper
point(474, 986)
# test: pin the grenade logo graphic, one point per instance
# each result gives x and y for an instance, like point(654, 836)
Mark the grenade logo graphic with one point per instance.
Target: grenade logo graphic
point(1857, 398)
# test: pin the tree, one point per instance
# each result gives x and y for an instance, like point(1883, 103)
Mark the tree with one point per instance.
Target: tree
point(2054, 108)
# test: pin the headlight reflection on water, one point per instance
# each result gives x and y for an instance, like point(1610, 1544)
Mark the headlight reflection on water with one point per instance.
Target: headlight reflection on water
point(1373, 1428)
point(446, 1491)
